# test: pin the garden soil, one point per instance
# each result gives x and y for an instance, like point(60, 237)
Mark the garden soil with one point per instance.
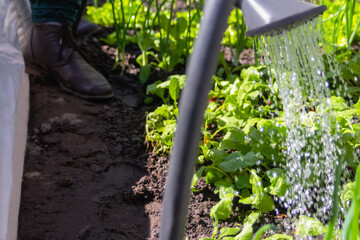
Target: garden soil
point(88, 172)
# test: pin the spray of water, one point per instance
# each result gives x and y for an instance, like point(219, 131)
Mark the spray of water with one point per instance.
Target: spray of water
point(295, 60)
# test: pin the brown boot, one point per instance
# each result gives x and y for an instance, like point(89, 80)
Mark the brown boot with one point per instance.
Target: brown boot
point(52, 50)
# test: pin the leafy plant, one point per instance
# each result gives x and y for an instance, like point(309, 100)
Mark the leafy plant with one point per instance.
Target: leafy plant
point(351, 224)
point(341, 21)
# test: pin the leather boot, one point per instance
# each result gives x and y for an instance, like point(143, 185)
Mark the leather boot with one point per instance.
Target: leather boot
point(52, 50)
point(86, 28)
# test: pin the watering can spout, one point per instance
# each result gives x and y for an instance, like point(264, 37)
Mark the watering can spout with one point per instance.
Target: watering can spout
point(263, 16)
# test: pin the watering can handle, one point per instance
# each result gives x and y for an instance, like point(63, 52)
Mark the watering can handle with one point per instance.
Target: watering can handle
point(201, 67)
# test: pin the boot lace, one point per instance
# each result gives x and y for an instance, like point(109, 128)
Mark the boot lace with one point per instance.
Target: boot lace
point(66, 36)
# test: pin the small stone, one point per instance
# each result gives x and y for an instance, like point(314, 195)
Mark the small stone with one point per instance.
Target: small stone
point(45, 127)
point(118, 149)
point(59, 100)
point(76, 122)
point(54, 120)
point(131, 100)
point(120, 139)
point(33, 174)
point(36, 131)
point(96, 168)
point(68, 116)
point(65, 182)
point(84, 232)
point(35, 151)
point(136, 138)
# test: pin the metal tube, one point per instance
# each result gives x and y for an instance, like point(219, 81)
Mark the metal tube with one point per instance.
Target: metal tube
point(201, 67)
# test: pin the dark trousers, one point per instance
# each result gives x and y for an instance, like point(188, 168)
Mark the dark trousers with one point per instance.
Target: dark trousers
point(50, 10)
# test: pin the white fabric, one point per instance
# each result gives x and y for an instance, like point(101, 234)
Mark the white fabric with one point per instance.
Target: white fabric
point(14, 27)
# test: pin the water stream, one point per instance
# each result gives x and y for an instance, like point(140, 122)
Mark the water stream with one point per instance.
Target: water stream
point(295, 61)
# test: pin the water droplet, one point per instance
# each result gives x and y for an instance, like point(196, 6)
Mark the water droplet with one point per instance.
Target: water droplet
point(261, 129)
point(259, 184)
point(355, 79)
point(319, 72)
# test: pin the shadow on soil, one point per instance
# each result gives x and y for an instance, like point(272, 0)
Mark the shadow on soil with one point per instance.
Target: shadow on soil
point(81, 162)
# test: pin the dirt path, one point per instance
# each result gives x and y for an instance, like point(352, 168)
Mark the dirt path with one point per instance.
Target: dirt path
point(81, 158)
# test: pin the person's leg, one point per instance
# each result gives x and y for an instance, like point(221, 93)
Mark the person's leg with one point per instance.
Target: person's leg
point(52, 50)
point(49, 10)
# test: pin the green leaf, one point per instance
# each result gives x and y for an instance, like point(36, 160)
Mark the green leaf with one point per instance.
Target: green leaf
point(247, 229)
point(307, 226)
point(213, 175)
point(155, 89)
point(174, 89)
point(236, 161)
point(229, 122)
point(230, 144)
point(180, 27)
point(217, 155)
point(226, 231)
point(279, 237)
point(357, 105)
point(222, 209)
point(148, 100)
point(278, 182)
point(144, 73)
point(225, 188)
point(268, 151)
point(235, 134)
point(255, 134)
point(250, 123)
point(260, 199)
point(251, 74)
point(265, 124)
point(242, 181)
point(338, 103)
point(355, 67)
point(163, 22)
point(196, 178)
point(348, 193)
point(245, 193)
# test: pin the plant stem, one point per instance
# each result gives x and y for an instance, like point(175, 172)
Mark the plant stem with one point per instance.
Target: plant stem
point(261, 231)
point(168, 31)
point(117, 31)
point(335, 207)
